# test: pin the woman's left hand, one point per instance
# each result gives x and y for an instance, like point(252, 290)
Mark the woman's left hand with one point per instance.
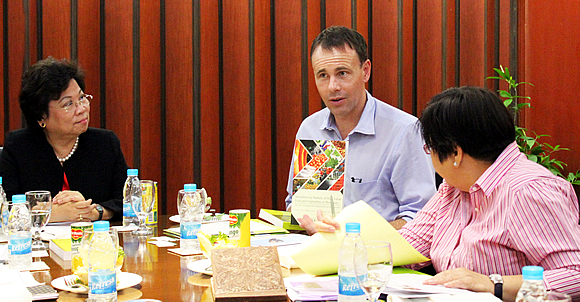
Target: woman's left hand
point(67, 196)
point(464, 279)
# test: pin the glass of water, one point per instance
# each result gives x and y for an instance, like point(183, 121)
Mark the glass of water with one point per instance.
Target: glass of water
point(144, 206)
point(40, 208)
point(373, 267)
point(4, 214)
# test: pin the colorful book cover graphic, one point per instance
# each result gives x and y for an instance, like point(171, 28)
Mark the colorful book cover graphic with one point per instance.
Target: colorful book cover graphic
point(319, 165)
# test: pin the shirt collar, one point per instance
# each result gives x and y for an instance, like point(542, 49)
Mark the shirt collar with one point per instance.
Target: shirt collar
point(489, 180)
point(366, 123)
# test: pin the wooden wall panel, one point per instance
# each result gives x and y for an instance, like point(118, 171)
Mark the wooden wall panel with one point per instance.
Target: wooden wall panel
point(472, 35)
point(429, 51)
point(263, 107)
point(17, 53)
point(236, 105)
point(314, 28)
point(179, 90)
point(89, 51)
point(288, 86)
point(406, 58)
point(119, 73)
point(210, 101)
point(56, 29)
point(384, 71)
point(338, 12)
point(150, 90)
point(3, 103)
point(450, 74)
point(553, 66)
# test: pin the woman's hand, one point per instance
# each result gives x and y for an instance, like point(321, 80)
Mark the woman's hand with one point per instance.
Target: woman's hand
point(464, 279)
point(67, 196)
point(72, 211)
point(324, 224)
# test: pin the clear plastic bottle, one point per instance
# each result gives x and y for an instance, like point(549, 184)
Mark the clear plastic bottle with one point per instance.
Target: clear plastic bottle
point(20, 237)
point(533, 288)
point(132, 189)
point(102, 260)
point(190, 216)
point(348, 287)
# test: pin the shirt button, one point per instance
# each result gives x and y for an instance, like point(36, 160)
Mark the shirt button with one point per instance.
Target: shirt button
point(477, 209)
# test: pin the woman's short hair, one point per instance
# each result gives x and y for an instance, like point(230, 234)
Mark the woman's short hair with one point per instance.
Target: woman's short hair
point(472, 118)
point(44, 82)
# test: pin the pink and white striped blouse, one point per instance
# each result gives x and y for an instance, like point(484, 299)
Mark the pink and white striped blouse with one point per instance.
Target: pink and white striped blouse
point(517, 213)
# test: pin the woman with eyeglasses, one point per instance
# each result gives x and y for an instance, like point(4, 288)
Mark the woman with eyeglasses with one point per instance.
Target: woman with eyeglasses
point(83, 168)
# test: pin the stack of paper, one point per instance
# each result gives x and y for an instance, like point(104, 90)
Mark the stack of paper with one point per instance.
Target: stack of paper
point(312, 288)
point(319, 254)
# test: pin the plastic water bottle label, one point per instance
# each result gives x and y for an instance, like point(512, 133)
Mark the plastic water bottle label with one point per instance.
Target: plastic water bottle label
point(189, 229)
point(348, 286)
point(20, 245)
point(128, 210)
point(102, 282)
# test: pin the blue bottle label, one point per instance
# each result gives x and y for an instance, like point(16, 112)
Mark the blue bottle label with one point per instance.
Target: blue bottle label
point(102, 282)
point(128, 210)
point(348, 286)
point(20, 245)
point(189, 229)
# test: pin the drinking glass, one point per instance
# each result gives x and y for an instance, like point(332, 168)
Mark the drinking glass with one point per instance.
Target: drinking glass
point(144, 206)
point(373, 267)
point(554, 296)
point(40, 208)
point(4, 214)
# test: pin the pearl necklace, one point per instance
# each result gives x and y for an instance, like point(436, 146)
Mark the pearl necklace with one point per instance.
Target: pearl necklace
point(62, 160)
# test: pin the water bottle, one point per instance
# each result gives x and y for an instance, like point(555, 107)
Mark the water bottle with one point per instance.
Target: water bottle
point(190, 216)
point(20, 237)
point(102, 260)
point(533, 288)
point(132, 190)
point(348, 287)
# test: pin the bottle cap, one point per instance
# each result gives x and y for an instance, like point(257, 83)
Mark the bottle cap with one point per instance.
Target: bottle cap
point(132, 172)
point(101, 226)
point(0, 180)
point(352, 227)
point(533, 272)
point(19, 198)
point(189, 187)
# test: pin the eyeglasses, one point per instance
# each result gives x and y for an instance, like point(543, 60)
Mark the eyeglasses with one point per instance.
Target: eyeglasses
point(426, 149)
point(84, 100)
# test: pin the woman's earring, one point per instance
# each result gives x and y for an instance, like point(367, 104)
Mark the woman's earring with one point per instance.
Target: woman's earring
point(455, 164)
point(42, 125)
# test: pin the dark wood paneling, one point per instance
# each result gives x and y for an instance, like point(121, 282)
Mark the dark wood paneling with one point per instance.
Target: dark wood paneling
point(553, 66)
point(263, 106)
point(450, 34)
point(472, 37)
point(314, 100)
point(179, 79)
point(56, 29)
point(236, 105)
point(384, 74)
point(210, 107)
point(429, 51)
point(89, 54)
point(150, 90)
point(406, 71)
point(288, 86)
point(17, 53)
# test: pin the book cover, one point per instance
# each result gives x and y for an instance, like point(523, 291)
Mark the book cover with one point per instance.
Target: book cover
point(281, 219)
point(61, 247)
point(247, 274)
point(318, 181)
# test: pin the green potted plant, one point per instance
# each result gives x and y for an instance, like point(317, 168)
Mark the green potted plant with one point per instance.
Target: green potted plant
point(536, 151)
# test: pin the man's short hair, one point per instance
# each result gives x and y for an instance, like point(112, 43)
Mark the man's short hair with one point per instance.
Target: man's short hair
point(338, 37)
point(472, 118)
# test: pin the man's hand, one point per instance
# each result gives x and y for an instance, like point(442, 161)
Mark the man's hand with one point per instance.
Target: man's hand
point(464, 279)
point(324, 224)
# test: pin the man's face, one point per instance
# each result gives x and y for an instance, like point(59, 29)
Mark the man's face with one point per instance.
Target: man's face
point(340, 79)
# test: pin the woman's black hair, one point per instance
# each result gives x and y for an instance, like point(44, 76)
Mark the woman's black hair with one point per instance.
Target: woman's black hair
point(44, 82)
point(472, 118)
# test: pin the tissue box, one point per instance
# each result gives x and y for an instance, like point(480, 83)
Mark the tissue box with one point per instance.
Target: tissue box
point(247, 274)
